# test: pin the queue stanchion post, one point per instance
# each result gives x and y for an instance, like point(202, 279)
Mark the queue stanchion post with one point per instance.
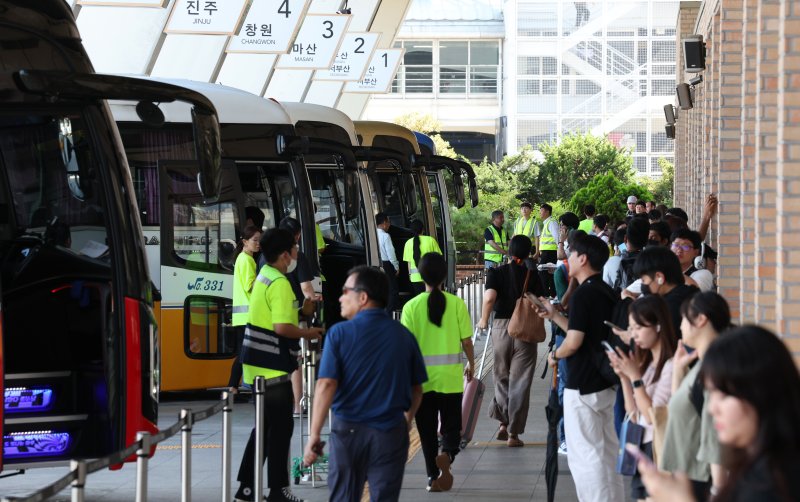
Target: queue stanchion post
point(79, 483)
point(258, 483)
point(186, 455)
point(142, 457)
point(226, 446)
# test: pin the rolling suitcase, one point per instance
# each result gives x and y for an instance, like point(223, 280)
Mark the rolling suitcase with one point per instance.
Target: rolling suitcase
point(473, 397)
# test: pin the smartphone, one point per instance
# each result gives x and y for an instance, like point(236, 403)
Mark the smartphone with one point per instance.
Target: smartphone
point(532, 298)
point(612, 325)
point(639, 455)
point(608, 346)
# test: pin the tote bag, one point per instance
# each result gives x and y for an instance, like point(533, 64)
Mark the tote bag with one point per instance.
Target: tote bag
point(525, 324)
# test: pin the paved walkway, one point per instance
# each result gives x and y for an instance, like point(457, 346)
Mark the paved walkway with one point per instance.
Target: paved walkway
point(485, 470)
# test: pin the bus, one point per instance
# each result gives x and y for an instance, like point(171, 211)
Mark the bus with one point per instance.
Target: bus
point(79, 353)
point(190, 243)
point(344, 210)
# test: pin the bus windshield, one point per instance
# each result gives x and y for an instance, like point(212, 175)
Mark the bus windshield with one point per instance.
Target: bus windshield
point(51, 177)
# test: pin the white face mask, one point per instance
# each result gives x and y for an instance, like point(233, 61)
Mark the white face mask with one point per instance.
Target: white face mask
point(292, 266)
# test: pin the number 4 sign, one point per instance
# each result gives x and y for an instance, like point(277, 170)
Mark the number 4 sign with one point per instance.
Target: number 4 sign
point(380, 72)
point(269, 27)
point(352, 57)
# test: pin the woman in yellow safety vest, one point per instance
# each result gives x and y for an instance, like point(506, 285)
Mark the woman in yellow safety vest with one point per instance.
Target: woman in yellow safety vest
point(415, 248)
point(441, 324)
point(244, 275)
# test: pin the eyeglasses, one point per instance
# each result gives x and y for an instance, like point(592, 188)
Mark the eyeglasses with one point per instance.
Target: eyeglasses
point(346, 290)
point(682, 247)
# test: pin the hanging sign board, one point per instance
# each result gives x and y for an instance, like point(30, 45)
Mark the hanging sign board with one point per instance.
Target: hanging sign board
point(316, 43)
point(269, 27)
point(380, 72)
point(124, 3)
point(352, 57)
point(205, 17)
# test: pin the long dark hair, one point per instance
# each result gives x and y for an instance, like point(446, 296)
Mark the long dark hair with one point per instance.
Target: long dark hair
point(247, 234)
point(519, 247)
point(754, 365)
point(433, 270)
point(711, 305)
point(652, 311)
point(417, 227)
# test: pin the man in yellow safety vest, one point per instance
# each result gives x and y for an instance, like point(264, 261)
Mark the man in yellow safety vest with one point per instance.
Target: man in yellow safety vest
point(525, 224)
point(496, 239)
point(547, 252)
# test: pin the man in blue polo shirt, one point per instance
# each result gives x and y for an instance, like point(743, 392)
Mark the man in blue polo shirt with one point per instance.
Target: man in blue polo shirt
point(371, 373)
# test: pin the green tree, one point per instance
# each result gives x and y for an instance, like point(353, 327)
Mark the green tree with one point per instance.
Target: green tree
point(608, 194)
point(570, 164)
point(662, 188)
point(427, 124)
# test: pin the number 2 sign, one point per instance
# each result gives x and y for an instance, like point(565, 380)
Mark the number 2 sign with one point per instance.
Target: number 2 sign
point(352, 57)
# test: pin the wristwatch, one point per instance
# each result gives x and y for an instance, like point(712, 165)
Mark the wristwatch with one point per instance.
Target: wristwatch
point(637, 383)
point(553, 353)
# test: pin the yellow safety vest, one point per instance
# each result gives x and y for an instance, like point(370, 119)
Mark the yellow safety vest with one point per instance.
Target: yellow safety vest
point(524, 227)
point(244, 273)
point(501, 240)
point(440, 345)
point(427, 244)
point(547, 241)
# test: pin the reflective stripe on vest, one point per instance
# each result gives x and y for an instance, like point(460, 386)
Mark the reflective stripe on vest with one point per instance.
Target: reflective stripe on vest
point(501, 240)
point(526, 228)
point(263, 279)
point(547, 241)
point(413, 271)
point(240, 309)
point(442, 359)
point(260, 341)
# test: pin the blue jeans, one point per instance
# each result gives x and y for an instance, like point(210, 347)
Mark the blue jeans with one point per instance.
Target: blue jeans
point(490, 264)
point(562, 382)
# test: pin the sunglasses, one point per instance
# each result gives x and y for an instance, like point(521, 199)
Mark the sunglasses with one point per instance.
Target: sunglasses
point(346, 290)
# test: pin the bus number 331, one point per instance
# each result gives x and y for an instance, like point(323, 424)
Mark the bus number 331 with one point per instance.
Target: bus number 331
point(203, 284)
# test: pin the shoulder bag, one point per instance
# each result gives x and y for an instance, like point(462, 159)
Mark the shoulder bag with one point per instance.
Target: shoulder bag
point(525, 324)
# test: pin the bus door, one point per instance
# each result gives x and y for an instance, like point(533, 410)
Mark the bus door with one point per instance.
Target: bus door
point(198, 242)
point(343, 225)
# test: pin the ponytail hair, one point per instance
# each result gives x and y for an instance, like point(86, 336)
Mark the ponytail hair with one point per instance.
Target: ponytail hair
point(433, 270)
point(417, 227)
point(247, 234)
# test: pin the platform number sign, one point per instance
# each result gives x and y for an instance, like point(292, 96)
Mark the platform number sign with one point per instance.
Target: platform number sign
point(205, 17)
point(269, 27)
point(352, 57)
point(316, 43)
point(380, 72)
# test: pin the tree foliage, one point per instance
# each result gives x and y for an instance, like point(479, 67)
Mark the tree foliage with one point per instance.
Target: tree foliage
point(662, 188)
point(608, 194)
point(570, 164)
point(427, 124)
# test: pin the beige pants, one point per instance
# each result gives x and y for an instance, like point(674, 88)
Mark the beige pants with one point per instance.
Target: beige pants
point(514, 364)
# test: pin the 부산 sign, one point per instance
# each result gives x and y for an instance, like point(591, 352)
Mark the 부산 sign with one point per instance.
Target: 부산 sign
point(316, 43)
point(269, 26)
point(379, 74)
point(207, 17)
point(352, 57)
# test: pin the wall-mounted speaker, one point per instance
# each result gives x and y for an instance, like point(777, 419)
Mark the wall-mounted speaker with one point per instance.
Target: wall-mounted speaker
point(670, 130)
point(684, 96)
point(669, 113)
point(694, 54)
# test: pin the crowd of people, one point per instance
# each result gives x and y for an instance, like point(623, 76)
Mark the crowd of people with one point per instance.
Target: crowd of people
point(641, 342)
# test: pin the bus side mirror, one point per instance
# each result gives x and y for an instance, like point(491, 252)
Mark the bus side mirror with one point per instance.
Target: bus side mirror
point(352, 195)
point(458, 188)
point(208, 150)
point(473, 192)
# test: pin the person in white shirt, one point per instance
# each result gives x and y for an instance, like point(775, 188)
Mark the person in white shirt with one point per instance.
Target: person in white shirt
point(388, 259)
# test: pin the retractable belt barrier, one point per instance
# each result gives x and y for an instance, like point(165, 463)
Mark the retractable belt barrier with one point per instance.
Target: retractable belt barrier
point(142, 447)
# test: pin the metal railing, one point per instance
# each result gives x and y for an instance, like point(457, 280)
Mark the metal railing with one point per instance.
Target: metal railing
point(143, 448)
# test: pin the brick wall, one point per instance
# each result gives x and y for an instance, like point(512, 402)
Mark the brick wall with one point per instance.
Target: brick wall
point(742, 141)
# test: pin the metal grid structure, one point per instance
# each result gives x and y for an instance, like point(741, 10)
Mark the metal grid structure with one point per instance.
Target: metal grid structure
point(604, 67)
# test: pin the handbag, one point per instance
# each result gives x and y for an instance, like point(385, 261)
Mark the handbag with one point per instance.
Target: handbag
point(658, 417)
point(525, 324)
point(630, 433)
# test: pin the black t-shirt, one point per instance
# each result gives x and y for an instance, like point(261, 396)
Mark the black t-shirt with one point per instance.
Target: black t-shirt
point(675, 299)
point(590, 305)
point(487, 235)
point(758, 485)
point(302, 273)
point(508, 280)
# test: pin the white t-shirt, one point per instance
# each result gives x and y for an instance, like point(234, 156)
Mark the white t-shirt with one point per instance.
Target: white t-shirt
point(704, 279)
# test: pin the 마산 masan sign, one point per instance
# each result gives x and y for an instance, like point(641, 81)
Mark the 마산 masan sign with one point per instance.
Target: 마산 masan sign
point(316, 43)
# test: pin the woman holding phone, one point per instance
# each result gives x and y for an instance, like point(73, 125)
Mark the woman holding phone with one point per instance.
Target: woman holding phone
point(690, 441)
point(646, 374)
point(754, 398)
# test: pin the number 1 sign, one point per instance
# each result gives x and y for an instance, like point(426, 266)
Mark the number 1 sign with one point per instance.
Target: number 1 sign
point(380, 72)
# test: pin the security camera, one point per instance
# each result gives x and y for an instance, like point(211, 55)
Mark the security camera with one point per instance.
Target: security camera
point(696, 80)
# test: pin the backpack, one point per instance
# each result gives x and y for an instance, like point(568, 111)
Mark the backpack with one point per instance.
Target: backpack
point(625, 276)
point(599, 358)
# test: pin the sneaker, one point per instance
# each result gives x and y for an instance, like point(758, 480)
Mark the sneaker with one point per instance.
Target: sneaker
point(563, 448)
point(433, 485)
point(245, 494)
point(284, 495)
point(445, 479)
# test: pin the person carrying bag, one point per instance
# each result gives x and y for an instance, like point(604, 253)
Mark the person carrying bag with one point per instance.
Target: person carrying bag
point(525, 324)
